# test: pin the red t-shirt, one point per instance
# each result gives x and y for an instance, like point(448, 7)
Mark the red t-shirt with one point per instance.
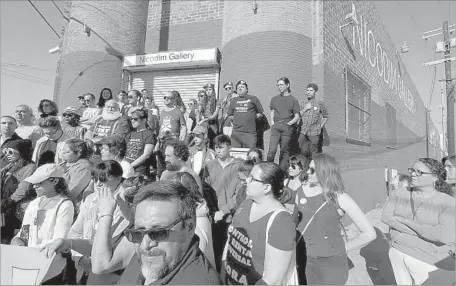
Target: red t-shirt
point(246, 243)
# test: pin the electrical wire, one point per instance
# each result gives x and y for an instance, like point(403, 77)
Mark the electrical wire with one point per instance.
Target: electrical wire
point(44, 18)
point(26, 75)
point(431, 92)
point(25, 78)
point(63, 15)
point(9, 65)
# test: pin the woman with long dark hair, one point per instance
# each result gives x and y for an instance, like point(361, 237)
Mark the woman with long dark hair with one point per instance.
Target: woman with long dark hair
point(105, 95)
point(179, 102)
point(15, 192)
point(225, 123)
point(323, 202)
point(422, 224)
point(297, 171)
point(261, 236)
point(209, 112)
point(47, 108)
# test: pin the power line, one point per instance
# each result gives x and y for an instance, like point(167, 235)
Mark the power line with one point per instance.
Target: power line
point(36, 9)
point(431, 92)
point(26, 75)
point(25, 78)
point(59, 9)
point(13, 65)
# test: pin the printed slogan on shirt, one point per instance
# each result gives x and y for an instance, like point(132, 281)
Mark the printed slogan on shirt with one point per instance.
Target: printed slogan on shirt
point(239, 257)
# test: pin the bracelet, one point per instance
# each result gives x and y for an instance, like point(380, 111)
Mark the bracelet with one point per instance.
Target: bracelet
point(105, 215)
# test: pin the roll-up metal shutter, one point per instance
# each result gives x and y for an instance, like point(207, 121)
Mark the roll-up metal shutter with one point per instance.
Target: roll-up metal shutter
point(187, 82)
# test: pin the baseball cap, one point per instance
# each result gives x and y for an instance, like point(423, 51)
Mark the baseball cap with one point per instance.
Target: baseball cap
point(45, 172)
point(199, 130)
point(71, 109)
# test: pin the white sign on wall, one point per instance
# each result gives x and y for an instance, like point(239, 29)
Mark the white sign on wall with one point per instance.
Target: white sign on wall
point(205, 55)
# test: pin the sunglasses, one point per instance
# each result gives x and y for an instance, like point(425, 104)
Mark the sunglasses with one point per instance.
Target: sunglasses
point(157, 234)
point(418, 173)
point(9, 152)
point(68, 115)
point(167, 97)
point(135, 119)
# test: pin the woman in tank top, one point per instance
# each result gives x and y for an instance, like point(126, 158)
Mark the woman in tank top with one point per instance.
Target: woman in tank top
point(322, 202)
point(260, 244)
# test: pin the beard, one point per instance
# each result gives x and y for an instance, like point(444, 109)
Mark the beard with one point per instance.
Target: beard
point(110, 115)
point(153, 264)
point(172, 167)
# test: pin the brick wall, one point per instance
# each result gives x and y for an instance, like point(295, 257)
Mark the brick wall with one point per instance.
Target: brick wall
point(363, 166)
point(89, 64)
point(263, 45)
point(184, 25)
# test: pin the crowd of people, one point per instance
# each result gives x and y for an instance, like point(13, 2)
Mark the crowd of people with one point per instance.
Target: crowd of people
point(127, 192)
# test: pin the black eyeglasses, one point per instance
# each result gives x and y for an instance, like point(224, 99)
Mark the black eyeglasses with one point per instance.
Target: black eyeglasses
point(418, 173)
point(228, 88)
point(167, 97)
point(157, 234)
point(68, 115)
point(135, 119)
point(250, 179)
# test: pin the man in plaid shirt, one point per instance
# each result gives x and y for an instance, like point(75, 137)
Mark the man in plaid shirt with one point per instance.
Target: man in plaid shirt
point(313, 118)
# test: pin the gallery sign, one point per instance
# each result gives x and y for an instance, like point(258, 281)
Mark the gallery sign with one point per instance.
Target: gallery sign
point(208, 56)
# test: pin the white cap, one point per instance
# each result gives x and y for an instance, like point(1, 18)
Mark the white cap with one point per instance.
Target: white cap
point(45, 172)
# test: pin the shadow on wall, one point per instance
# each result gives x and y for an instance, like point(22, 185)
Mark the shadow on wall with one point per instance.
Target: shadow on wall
point(378, 264)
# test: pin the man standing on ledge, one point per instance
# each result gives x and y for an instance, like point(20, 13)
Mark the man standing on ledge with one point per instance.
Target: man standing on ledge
point(314, 116)
point(244, 110)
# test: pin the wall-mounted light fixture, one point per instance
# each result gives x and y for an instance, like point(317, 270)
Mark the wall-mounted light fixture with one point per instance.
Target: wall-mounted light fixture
point(350, 18)
point(87, 30)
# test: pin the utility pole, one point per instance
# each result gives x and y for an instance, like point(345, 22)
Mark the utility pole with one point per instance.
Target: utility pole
point(426, 114)
point(449, 90)
point(442, 99)
point(445, 47)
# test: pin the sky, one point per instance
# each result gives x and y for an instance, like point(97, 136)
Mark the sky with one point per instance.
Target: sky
point(25, 39)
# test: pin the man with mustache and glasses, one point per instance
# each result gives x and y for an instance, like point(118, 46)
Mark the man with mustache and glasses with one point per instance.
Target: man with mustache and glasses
point(162, 241)
point(111, 122)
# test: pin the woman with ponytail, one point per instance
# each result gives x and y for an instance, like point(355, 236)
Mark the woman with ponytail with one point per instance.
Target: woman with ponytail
point(422, 224)
point(260, 242)
point(322, 202)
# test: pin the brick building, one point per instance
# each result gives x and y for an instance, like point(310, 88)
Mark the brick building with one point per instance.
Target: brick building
point(376, 113)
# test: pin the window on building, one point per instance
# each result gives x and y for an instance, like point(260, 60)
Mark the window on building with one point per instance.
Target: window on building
point(390, 126)
point(358, 109)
